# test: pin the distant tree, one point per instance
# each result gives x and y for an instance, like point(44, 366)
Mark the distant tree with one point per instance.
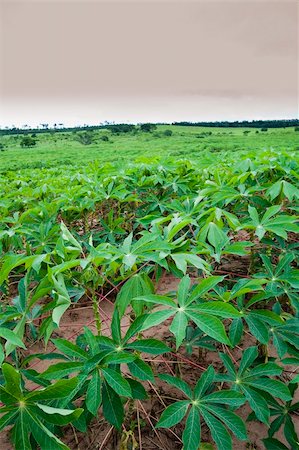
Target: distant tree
point(28, 141)
point(2, 147)
point(167, 133)
point(148, 127)
point(85, 138)
point(296, 128)
point(104, 138)
point(121, 128)
point(264, 129)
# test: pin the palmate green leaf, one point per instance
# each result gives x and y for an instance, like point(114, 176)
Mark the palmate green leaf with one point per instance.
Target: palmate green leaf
point(58, 390)
point(173, 414)
point(274, 444)
point(138, 391)
point(58, 416)
point(44, 437)
point(152, 346)
point(183, 289)
point(12, 379)
point(204, 382)
point(94, 393)
point(115, 326)
point(138, 285)
point(91, 341)
point(274, 387)
point(119, 358)
point(216, 308)
point(231, 398)
point(178, 327)
point(178, 383)
point(266, 369)
point(6, 398)
point(157, 300)
point(141, 370)
point(11, 338)
point(112, 406)
point(203, 287)
point(70, 349)
point(192, 431)
point(62, 369)
point(236, 331)
point(20, 431)
point(258, 404)
point(248, 356)
point(155, 318)
point(118, 383)
point(228, 364)
point(218, 431)
point(8, 418)
point(210, 325)
point(135, 327)
point(230, 419)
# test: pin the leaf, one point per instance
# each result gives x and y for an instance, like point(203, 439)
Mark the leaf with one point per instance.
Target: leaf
point(43, 435)
point(222, 309)
point(64, 416)
point(219, 433)
point(210, 325)
point(231, 420)
point(152, 346)
point(12, 379)
point(173, 414)
point(112, 407)
point(7, 419)
point(117, 382)
point(274, 444)
point(231, 398)
point(204, 382)
point(138, 391)
point(137, 286)
point(58, 390)
point(178, 327)
point(115, 326)
point(20, 432)
point(70, 349)
point(93, 394)
point(248, 356)
point(191, 434)
point(183, 289)
point(155, 318)
point(258, 404)
point(203, 287)
point(236, 331)
point(141, 370)
point(274, 387)
point(62, 369)
point(178, 383)
point(11, 338)
point(266, 369)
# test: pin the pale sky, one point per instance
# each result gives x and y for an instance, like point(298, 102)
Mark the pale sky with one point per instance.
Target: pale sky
point(80, 62)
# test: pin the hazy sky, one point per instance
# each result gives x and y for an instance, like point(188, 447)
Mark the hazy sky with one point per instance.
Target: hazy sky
point(88, 61)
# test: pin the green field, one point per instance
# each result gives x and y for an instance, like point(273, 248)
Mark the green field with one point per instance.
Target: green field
point(149, 290)
point(194, 143)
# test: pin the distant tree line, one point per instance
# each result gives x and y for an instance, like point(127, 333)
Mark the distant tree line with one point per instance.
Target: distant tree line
point(149, 127)
point(243, 124)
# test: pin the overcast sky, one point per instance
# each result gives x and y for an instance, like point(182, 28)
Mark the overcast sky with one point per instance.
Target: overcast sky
point(82, 62)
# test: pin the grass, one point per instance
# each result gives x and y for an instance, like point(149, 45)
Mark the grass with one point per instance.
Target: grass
point(193, 143)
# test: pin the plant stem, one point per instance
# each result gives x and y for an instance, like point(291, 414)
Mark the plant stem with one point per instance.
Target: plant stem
point(96, 313)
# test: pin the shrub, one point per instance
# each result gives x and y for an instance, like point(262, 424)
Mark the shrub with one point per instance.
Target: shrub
point(28, 141)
